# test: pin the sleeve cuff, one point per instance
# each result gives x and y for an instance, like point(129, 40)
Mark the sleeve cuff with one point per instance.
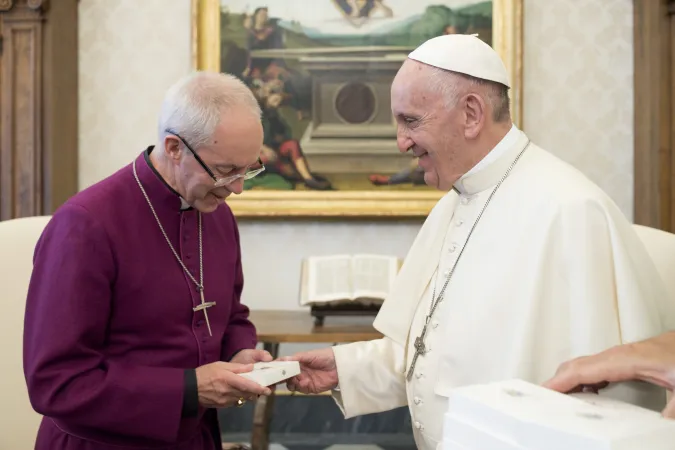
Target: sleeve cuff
point(190, 394)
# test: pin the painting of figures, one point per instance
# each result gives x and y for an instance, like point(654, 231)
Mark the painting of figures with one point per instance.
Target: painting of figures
point(321, 71)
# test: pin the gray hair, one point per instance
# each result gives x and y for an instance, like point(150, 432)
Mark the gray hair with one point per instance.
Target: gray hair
point(452, 85)
point(194, 106)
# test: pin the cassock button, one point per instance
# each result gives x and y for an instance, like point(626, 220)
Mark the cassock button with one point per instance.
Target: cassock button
point(452, 248)
point(417, 400)
point(435, 324)
point(419, 375)
point(459, 222)
point(446, 274)
point(419, 426)
point(465, 200)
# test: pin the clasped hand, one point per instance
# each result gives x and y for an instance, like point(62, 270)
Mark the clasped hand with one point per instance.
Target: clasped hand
point(220, 386)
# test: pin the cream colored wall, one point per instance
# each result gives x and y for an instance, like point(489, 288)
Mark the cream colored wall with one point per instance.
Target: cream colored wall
point(578, 104)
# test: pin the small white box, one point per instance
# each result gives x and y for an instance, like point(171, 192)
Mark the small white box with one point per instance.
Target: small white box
point(271, 373)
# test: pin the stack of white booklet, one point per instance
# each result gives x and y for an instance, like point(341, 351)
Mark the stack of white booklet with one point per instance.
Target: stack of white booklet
point(516, 415)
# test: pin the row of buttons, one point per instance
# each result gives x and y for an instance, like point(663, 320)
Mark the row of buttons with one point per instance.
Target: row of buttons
point(434, 324)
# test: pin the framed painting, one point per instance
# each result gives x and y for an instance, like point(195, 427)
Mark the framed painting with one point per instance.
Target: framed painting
point(322, 71)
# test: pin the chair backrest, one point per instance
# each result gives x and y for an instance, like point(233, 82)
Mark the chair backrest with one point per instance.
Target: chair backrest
point(661, 247)
point(18, 421)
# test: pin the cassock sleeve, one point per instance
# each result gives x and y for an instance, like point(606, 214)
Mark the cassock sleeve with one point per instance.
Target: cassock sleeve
point(370, 375)
point(67, 312)
point(240, 333)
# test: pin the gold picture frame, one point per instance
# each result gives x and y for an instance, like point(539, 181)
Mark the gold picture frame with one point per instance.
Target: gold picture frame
point(507, 39)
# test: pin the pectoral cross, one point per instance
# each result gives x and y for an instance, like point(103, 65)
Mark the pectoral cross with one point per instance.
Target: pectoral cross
point(420, 349)
point(203, 306)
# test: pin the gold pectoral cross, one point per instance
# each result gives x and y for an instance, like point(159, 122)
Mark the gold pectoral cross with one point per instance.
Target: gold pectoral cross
point(420, 349)
point(202, 307)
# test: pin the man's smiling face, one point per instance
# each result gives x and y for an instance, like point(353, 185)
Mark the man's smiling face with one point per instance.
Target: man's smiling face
point(426, 126)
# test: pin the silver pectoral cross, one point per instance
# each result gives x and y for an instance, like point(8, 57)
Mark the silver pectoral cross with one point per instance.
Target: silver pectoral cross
point(202, 307)
point(420, 349)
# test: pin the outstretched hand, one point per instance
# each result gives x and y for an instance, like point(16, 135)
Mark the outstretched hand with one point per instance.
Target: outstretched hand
point(651, 360)
point(318, 371)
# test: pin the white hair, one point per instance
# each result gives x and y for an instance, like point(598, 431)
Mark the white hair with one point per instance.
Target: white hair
point(452, 85)
point(194, 106)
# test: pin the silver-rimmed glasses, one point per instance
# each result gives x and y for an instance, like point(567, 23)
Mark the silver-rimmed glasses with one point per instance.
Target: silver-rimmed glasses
point(222, 181)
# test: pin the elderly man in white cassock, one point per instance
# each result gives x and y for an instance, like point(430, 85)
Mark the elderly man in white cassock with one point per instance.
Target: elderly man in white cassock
point(522, 265)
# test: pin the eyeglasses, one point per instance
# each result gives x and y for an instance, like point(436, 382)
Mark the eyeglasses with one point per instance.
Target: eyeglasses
point(220, 181)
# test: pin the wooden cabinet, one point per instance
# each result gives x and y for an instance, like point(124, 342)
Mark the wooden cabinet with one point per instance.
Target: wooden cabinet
point(38, 106)
point(655, 113)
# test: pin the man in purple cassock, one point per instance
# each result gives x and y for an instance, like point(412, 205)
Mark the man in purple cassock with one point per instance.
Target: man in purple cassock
point(134, 329)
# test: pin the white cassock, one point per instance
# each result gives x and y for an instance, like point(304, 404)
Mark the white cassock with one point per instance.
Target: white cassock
point(552, 271)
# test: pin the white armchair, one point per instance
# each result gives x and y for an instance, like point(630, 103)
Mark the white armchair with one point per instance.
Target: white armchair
point(18, 421)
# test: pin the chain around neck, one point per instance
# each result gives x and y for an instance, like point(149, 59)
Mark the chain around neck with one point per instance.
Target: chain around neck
point(200, 284)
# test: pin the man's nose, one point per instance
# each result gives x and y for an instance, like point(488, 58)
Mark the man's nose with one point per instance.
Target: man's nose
point(237, 186)
point(403, 142)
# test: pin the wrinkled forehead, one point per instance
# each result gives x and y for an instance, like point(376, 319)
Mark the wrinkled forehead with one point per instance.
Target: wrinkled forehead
point(411, 87)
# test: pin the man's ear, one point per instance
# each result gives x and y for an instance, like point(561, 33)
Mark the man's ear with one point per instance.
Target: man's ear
point(172, 147)
point(475, 111)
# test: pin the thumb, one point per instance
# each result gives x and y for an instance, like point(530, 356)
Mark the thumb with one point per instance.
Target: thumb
point(265, 356)
point(240, 368)
point(669, 412)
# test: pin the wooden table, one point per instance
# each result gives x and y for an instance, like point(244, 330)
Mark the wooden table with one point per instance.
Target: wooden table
point(278, 327)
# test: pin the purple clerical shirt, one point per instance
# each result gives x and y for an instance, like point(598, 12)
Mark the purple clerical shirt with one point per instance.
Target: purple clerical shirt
point(110, 334)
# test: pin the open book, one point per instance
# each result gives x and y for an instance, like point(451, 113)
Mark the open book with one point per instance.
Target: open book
point(337, 279)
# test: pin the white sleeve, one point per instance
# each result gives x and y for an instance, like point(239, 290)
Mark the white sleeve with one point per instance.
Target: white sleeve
point(370, 377)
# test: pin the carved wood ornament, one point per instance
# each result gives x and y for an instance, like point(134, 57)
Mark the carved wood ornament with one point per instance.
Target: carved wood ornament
point(29, 180)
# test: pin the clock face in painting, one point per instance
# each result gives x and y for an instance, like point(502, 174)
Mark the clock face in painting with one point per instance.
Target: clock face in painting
point(322, 73)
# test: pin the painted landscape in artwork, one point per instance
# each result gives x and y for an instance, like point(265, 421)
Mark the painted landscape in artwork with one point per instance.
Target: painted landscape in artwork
point(321, 71)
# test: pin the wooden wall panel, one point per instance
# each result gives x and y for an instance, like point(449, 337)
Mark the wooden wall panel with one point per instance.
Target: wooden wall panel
point(38, 132)
point(21, 123)
point(654, 188)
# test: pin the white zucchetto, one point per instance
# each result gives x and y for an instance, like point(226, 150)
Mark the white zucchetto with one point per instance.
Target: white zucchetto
point(463, 53)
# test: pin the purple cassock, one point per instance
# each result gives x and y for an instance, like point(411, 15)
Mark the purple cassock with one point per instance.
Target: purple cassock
point(111, 339)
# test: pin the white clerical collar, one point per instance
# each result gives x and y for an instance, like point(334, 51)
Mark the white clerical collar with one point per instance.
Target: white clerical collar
point(502, 146)
point(493, 166)
point(184, 204)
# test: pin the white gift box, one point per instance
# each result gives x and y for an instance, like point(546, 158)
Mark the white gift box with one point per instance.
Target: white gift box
point(516, 415)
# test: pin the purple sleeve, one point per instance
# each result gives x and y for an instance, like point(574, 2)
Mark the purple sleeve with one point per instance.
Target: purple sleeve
point(240, 333)
point(68, 308)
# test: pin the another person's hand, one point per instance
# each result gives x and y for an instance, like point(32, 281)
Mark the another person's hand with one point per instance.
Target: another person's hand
point(219, 385)
point(251, 356)
point(651, 360)
point(318, 372)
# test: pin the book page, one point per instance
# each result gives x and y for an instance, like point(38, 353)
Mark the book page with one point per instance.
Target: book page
point(373, 276)
point(329, 278)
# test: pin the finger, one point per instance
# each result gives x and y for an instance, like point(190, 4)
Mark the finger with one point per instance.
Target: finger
point(248, 386)
point(669, 411)
point(261, 355)
point(239, 368)
point(597, 370)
